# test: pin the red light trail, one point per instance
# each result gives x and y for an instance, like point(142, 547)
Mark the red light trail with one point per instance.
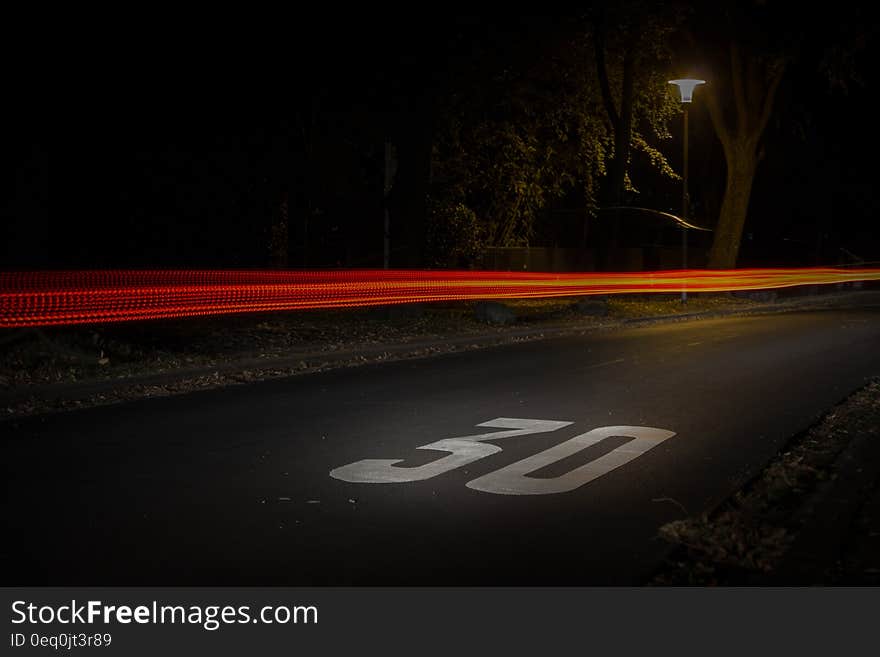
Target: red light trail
point(56, 298)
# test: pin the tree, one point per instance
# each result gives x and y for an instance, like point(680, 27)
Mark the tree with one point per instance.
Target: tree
point(512, 134)
point(751, 46)
point(755, 81)
point(630, 47)
point(538, 127)
point(743, 82)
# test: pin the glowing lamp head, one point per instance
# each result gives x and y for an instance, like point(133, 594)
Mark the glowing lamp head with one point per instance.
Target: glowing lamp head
point(686, 88)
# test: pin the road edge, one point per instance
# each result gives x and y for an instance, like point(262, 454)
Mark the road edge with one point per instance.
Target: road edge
point(59, 397)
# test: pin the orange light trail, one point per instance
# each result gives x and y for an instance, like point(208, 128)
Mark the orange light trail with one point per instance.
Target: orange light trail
point(55, 298)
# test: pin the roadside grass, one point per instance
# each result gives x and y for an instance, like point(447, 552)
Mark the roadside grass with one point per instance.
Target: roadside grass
point(636, 306)
point(70, 354)
point(46, 356)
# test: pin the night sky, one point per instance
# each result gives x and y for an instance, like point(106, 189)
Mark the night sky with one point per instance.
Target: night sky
point(175, 141)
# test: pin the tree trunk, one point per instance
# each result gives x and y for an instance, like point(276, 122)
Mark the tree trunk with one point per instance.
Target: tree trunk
point(279, 241)
point(621, 122)
point(623, 131)
point(754, 84)
point(741, 164)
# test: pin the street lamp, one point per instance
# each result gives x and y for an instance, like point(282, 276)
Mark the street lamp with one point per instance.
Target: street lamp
point(686, 92)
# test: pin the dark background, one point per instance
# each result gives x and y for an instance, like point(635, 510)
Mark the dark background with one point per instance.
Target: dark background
point(175, 140)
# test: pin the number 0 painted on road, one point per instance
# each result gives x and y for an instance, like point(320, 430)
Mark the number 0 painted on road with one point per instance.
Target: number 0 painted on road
point(513, 479)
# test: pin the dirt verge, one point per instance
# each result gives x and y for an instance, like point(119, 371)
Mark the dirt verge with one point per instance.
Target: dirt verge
point(801, 521)
point(56, 369)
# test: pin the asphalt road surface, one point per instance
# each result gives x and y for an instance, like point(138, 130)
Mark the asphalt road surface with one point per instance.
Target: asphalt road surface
point(234, 486)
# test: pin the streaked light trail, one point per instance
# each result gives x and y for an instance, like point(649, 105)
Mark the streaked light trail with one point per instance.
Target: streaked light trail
point(54, 298)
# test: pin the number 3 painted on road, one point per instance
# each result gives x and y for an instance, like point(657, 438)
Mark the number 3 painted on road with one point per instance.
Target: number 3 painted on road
point(513, 479)
point(463, 450)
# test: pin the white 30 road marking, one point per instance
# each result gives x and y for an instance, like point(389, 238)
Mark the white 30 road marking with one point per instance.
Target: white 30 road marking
point(513, 479)
point(463, 450)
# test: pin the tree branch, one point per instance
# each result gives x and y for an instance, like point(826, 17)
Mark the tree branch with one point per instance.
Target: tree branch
point(739, 94)
point(755, 84)
point(769, 98)
point(716, 114)
point(602, 70)
point(713, 104)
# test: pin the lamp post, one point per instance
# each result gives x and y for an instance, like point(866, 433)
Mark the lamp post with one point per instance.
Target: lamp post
point(686, 92)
